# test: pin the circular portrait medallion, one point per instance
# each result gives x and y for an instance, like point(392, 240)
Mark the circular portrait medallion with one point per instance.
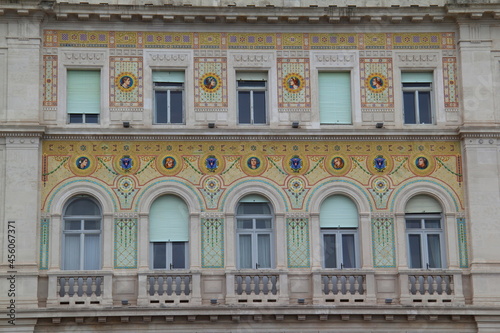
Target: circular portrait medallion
point(293, 82)
point(126, 81)
point(210, 82)
point(376, 82)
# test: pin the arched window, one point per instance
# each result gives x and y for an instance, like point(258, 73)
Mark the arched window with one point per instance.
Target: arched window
point(169, 233)
point(339, 229)
point(254, 230)
point(82, 234)
point(424, 230)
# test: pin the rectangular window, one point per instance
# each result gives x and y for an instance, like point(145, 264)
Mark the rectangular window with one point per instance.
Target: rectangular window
point(417, 97)
point(425, 242)
point(340, 248)
point(335, 97)
point(169, 255)
point(83, 96)
point(169, 97)
point(252, 91)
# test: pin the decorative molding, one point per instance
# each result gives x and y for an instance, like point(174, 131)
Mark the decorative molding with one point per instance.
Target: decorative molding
point(375, 53)
point(210, 53)
point(210, 109)
point(84, 57)
point(418, 59)
point(126, 109)
point(126, 52)
point(173, 59)
point(292, 54)
point(336, 59)
point(377, 110)
point(294, 110)
point(252, 59)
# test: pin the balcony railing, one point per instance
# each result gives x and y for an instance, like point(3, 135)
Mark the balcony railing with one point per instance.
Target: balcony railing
point(430, 287)
point(79, 289)
point(256, 288)
point(344, 287)
point(169, 288)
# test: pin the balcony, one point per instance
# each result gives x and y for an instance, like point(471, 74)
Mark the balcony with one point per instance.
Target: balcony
point(344, 287)
point(169, 288)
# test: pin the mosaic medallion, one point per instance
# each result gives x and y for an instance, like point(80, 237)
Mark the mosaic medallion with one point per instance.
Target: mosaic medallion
point(296, 185)
point(376, 82)
point(126, 81)
point(210, 82)
point(380, 185)
point(293, 82)
point(212, 185)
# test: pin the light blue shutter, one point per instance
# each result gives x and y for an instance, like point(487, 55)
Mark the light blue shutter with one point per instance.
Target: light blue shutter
point(161, 76)
point(338, 211)
point(169, 220)
point(423, 204)
point(83, 91)
point(335, 97)
point(416, 77)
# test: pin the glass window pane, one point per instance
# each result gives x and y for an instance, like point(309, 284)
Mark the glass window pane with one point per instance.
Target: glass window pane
point(348, 251)
point(159, 255)
point(415, 251)
point(251, 84)
point(72, 225)
point(91, 257)
point(92, 118)
point(92, 225)
point(259, 107)
point(409, 107)
point(76, 118)
point(245, 251)
point(161, 98)
point(330, 251)
point(257, 208)
point(83, 207)
point(244, 107)
point(176, 107)
point(433, 224)
point(434, 248)
point(179, 255)
point(424, 107)
point(71, 252)
point(264, 250)
point(413, 224)
point(263, 224)
point(245, 224)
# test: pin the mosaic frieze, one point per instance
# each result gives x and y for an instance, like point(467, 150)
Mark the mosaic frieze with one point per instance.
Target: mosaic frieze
point(210, 80)
point(126, 82)
point(44, 243)
point(450, 82)
point(125, 243)
point(293, 83)
point(212, 169)
point(462, 243)
point(49, 78)
point(376, 83)
point(297, 236)
point(212, 243)
point(239, 40)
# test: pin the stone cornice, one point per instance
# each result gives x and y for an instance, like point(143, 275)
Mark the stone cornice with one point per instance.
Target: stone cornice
point(479, 132)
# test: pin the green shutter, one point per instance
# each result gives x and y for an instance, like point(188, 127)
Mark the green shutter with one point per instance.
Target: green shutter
point(423, 204)
point(169, 220)
point(335, 97)
point(338, 211)
point(162, 76)
point(415, 77)
point(84, 91)
point(254, 198)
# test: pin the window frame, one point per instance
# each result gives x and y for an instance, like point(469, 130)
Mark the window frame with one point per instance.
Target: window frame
point(416, 104)
point(254, 233)
point(264, 89)
point(350, 99)
point(79, 117)
point(173, 87)
point(82, 232)
point(424, 232)
point(169, 255)
point(339, 242)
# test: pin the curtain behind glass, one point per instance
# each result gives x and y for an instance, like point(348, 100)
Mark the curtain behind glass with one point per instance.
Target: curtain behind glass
point(434, 249)
point(415, 255)
point(245, 253)
point(264, 250)
point(330, 251)
point(92, 252)
point(71, 252)
point(348, 251)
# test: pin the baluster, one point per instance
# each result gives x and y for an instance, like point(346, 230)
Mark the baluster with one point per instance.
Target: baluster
point(187, 284)
point(448, 280)
point(430, 281)
point(352, 285)
point(98, 286)
point(161, 289)
point(62, 287)
point(257, 287)
point(265, 285)
point(248, 287)
point(413, 284)
point(151, 285)
point(170, 288)
point(80, 286)
point(421, 281)
point(274, 288)
point(326, 287)
point(178, 287)
point(239, 285)
point(71, 289)
point(335, 287)
point(361, 288)
point(343, 284)
point(439, 284)
point(88, 291)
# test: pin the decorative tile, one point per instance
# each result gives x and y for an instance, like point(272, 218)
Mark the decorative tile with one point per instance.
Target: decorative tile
point(44, 243)
point(251, 41)
point(462, 243)
point(450, 82)
point(293, 83)
point(376, 83)
point(384, 249)
point(126, 82)
point(125, 243)
point(210, 82)
point(297, 237)
point(212, 243)
point(333, 41)
point(49, 78)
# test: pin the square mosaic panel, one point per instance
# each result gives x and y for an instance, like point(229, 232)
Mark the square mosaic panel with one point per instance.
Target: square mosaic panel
point(462, 243)
point(293, 83)
point(49, 80)
point(450, 82)
point(210, 82)
point(376, 83)
point(333, 41)
point(126, 82)
point(125, 243)
point(384, 250)
point(251, 41)
point(44, 243)
point(297, 237)
point(212, 243)
point(170, 40)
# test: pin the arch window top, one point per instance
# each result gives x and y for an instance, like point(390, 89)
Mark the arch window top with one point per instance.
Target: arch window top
point(423, 204)
point(338, 211)
point(82, 206)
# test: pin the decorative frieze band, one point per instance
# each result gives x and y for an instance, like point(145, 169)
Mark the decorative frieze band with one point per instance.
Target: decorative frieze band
point(82, 57)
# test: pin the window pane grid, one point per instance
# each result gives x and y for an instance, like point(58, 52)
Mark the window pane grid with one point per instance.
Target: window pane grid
point(425, 243)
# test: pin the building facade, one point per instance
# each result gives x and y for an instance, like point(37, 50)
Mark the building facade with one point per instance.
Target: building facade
point(301, 166)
